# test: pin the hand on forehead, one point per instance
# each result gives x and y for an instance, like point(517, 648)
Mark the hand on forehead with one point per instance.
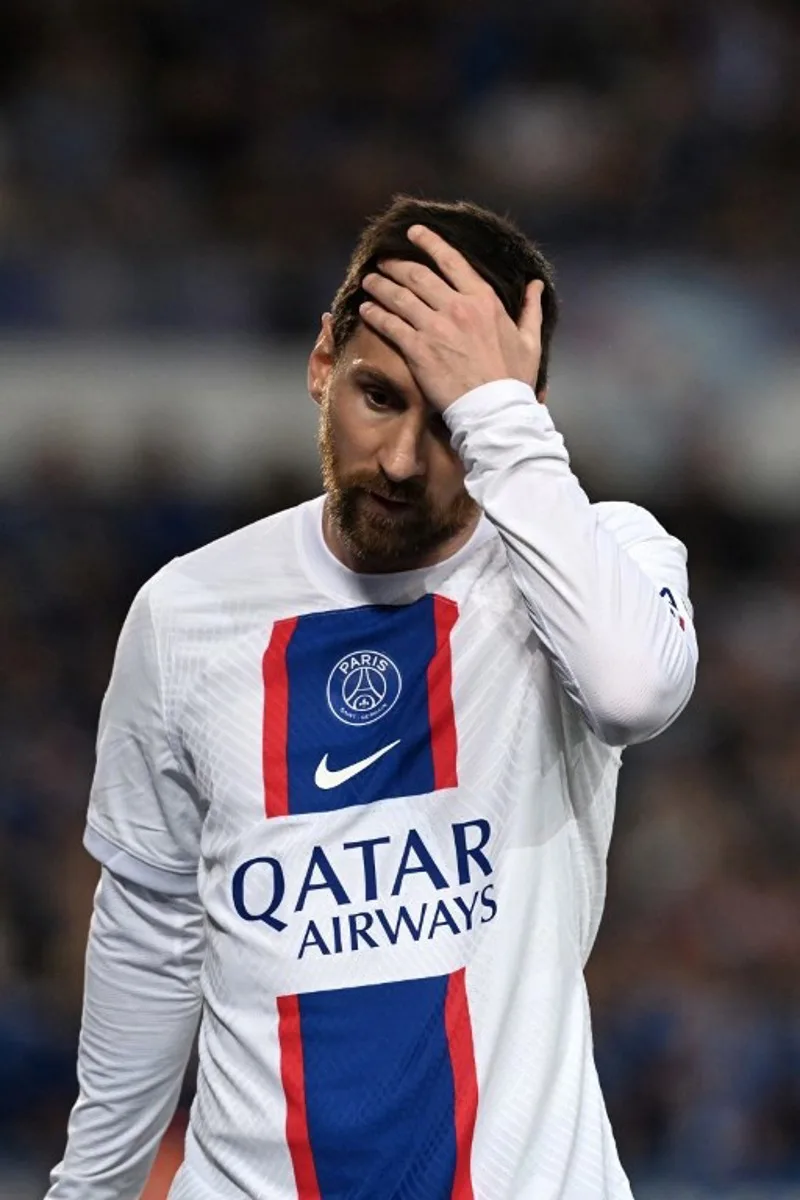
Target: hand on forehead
point(451, 262)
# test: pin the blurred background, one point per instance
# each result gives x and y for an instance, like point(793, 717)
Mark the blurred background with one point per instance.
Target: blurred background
point(181, 182)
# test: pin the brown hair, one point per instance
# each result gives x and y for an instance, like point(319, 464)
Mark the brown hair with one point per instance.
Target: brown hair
point(491, 244)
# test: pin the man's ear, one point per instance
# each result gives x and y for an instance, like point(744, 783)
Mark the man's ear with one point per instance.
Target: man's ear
point(320, 360)
point(541, 395)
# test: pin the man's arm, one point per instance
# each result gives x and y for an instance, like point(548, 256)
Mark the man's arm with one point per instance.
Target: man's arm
point(612, 639)
point(140, 1013)
point(142, 997)
point(591, 576)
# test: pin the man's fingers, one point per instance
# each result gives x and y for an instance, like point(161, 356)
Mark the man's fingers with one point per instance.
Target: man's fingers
point(530, 320)
point(389, 325)
point(419, 279)
point(453, 264)
point(397, 299)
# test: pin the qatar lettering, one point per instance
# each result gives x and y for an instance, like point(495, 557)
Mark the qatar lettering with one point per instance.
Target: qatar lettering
point(457, 891)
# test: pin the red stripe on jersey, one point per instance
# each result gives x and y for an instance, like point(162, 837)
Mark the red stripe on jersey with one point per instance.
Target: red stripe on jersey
point(276, 719)
point(465, 1080)
point(294, 1088)
point(442, 719)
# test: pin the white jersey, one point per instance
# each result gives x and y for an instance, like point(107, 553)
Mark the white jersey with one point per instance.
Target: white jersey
point(394, 795)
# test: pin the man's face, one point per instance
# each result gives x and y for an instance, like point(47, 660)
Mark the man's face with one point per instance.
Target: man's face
point(395, 486)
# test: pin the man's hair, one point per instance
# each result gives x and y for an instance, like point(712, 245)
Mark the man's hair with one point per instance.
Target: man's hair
point(491, 244)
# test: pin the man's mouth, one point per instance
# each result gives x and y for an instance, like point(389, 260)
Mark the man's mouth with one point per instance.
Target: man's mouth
point(389, 506)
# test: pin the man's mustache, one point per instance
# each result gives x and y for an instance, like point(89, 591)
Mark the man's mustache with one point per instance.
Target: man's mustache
point(405, 493)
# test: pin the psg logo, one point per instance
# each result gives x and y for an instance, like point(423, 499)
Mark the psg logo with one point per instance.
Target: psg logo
point(363, 687)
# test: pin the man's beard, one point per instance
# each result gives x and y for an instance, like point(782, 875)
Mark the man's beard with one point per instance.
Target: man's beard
point(387, 541)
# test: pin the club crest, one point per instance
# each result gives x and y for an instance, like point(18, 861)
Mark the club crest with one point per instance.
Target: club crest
point(363, 687)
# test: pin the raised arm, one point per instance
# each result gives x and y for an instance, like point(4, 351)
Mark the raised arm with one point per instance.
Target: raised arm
point(593, 584)
point(605, 586)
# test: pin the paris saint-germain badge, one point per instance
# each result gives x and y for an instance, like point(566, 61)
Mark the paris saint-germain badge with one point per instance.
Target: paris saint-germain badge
point(363, 687)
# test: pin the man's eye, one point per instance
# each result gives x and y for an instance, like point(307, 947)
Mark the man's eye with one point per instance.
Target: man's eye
point(377, 399)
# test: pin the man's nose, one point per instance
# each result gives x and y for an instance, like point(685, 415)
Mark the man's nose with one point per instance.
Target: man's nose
point(404, 456)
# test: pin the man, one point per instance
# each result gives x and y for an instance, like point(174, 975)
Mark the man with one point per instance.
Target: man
point(356, 774)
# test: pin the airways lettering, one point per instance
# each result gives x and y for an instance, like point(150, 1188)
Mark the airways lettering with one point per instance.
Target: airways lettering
point(372, 930)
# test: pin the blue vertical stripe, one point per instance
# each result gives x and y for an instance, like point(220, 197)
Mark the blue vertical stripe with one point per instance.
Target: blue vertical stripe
point(379, 1089)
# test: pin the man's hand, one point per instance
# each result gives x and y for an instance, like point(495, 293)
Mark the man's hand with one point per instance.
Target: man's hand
point(454, 333)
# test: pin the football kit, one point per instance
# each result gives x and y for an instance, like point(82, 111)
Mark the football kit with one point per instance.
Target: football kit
point(377, 808)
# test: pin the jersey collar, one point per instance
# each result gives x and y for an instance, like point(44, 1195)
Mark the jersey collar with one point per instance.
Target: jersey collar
point(399, 587)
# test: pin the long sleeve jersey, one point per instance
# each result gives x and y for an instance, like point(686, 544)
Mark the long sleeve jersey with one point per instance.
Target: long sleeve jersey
point(378, 807)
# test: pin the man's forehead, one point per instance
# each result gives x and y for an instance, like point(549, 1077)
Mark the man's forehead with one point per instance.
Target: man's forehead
point(367, 351)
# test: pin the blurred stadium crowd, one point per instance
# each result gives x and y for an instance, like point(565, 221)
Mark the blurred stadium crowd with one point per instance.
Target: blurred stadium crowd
point(203, 166)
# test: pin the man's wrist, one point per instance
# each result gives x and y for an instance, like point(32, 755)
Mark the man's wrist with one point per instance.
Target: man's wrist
point(488, 395)
point(497, 424)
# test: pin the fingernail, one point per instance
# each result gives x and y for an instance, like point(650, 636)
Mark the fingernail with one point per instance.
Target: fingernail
point(416, 230)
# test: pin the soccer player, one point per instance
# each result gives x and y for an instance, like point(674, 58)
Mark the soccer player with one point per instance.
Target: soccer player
point(356, 774)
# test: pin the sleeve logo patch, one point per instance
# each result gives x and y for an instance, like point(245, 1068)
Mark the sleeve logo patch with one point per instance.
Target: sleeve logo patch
point(674, 607)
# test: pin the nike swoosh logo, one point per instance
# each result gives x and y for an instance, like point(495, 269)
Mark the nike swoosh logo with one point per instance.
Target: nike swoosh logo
point(325, 778)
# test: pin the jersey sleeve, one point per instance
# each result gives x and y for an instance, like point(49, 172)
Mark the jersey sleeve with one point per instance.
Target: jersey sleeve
point(604, 585)
point(141, 1007)
point(145, 814)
